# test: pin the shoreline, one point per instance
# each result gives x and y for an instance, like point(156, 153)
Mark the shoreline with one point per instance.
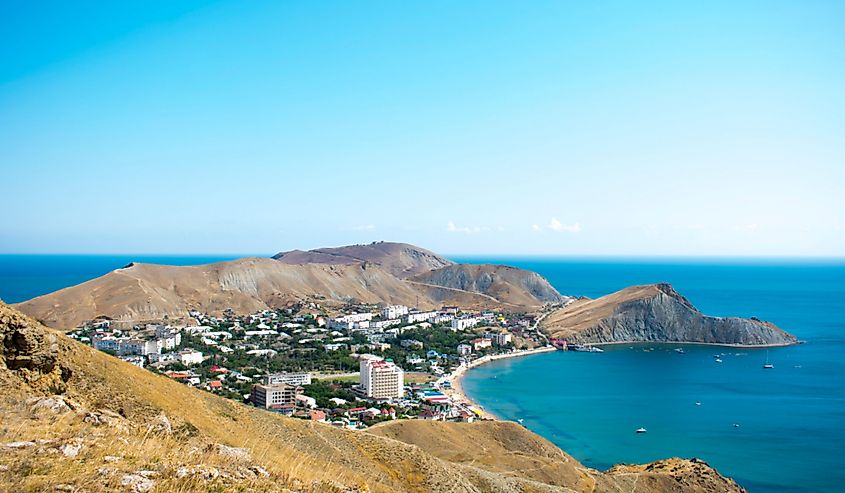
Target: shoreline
point(684, 343)
point(456, 392)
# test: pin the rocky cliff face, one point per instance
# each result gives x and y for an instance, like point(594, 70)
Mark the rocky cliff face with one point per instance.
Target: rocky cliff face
point(501, 282)
point(29, 352)
point(115, 427)
point(656, 313)
point(400, 259)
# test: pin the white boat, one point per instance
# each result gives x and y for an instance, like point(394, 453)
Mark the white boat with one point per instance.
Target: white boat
point(586, 349)
point(679, 350)
point(718, 360)
point(767, 365)
point(697, 403)
point(642, 430)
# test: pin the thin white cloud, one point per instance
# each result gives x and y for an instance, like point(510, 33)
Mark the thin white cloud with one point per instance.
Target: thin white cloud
point(536, 227)
point(452, 228)
point(557, 226)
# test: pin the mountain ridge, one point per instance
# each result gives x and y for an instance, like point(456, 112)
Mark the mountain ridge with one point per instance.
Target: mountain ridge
point(143, 292)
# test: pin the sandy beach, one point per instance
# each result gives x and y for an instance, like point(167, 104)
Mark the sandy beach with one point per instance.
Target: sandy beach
point(456, 393)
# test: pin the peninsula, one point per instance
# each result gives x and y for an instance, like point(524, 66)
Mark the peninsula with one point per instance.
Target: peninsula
point(656, 313)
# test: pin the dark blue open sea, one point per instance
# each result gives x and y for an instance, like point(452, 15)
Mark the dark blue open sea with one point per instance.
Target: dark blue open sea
point(791, 419)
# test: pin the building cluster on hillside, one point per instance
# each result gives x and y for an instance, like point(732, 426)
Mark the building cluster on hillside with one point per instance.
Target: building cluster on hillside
point(267, 358)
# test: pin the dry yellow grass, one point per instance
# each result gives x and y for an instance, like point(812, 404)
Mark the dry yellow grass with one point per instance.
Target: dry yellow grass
point(126, 449)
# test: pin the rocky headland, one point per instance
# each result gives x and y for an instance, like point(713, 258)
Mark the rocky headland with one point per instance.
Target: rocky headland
point(656, 313)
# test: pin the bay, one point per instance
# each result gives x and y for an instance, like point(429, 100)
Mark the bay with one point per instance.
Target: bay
point(791, 420)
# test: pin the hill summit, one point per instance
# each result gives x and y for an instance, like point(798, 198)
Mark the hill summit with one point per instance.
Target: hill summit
point(400, 259)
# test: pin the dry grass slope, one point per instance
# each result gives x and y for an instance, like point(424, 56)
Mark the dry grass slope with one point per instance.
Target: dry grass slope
point(142, 292)
point(74, 419)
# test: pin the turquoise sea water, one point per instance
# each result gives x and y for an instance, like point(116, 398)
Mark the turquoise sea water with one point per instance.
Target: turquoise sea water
point(791, 419)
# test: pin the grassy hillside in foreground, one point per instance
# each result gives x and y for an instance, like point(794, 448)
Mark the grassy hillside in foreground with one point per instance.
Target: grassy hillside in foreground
point(74, 419)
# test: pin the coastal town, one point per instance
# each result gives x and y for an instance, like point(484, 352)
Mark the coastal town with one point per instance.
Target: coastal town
point(357, 367)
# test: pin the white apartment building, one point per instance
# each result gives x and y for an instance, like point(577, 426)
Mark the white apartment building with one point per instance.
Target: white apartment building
point(354, 320)
point(298, 379)
point(499, 339)
point(480, 343)
point(464, 323)
point(381, 379)
point(394, 311)
point(190, 357)
point(464, 349)
point(415, 317)
point(383, 324)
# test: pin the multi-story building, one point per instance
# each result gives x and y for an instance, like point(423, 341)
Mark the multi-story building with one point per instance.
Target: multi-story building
point(478, 344)
point(464, 349)
point(393, 311)
point(464, 323)
point(297, 379)
point(354, 320)
point(381, 379)
point(383, 324)
point(274, 396)
point(190, 357)
point(415, 317)
point(499, 339)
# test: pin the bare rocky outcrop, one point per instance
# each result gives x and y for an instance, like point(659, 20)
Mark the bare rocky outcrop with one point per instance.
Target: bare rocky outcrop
point(504, 283)
point(656, 313)
point(24, 346)
point(400, 259)
point(30, 352)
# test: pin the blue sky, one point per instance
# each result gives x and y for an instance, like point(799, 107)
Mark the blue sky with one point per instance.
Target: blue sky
point(598, 128)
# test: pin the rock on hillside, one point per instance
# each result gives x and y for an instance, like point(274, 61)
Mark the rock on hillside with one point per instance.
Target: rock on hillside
point(515, 286)
point(31, 352)
point(400, 259)
point(656, 313)
point(116, 427)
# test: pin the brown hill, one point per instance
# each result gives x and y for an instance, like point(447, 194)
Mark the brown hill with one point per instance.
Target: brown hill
point(400, 259)
point(500, 282)
point(151, 292)
point(75, 419)
point(655, 313)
